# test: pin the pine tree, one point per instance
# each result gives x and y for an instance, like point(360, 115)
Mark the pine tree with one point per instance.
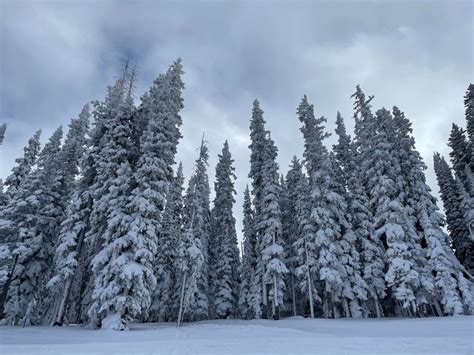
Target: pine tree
point(258, 134)
point(332, 230)
point(166, 295)
point(249, 259)
point(291, 233)
point(440, 277)
point(450, 195)
point(3, 128)
point(269, 225)
point(392, 227)
point(306, 261)
point(36, 218)
point(23, 165)
point(121, 271)
point(227, 266)
point(196, 241)
point(72, 275)
point(460, 155)
point(371, 248)
point(469, 105)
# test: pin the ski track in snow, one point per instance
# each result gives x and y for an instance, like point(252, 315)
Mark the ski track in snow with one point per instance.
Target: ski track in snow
point(450, 335)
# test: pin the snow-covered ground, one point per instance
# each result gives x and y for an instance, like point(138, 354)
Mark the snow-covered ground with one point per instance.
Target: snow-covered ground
point(451, 335)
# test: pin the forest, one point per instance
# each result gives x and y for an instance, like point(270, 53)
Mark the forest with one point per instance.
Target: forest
point(97, 228)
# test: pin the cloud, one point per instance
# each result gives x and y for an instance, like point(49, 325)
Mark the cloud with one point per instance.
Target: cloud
point(56, 56)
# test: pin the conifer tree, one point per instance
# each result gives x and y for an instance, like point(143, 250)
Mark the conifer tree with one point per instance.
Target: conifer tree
point(227, 266)
point(249, 259)
point(291, 233)
point(8, 230)
point(269, 224)
point(362, 218)
point(441, 278)
point(166, 295)
point(460, 155)
point(36, 219)
point(450, 195)
point(338, 269)
point(392, 226)
point(3, 128)
point(469, 110)
point(197, 235)
point(259, 294)
point(120, 275)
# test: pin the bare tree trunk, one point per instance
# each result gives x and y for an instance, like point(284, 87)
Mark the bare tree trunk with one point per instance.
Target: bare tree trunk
point(265, 296)
point(62, 304)
point(293, 293)
point(310, 284)
point(437, 308)
point(181, 301)
point(276, 305)
point(346, 308)
point(377, 307)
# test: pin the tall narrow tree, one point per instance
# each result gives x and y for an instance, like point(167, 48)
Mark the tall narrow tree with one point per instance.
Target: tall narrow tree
point(227, 277)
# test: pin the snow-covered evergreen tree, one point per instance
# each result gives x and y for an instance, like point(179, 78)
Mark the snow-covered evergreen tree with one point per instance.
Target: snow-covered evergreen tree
point(121, 269)
point(392, 225)
point(36, 216)
point(227, 278)
point(450, 195)
point(460, 156)
point(249, 259)
point(440, 275)
point(269, 224)
point(166, 296)
point(337, 260)
point(3, 128)
point(362, 218)
point(24, 164)
point(290, 233)
point(197, 235)
point(259, 296)
point(469, 112)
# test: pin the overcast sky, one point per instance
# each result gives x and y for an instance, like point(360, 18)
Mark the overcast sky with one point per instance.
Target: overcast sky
point(418, 55)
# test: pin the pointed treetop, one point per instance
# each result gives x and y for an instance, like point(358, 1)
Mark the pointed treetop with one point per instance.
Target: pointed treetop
point(3, 128)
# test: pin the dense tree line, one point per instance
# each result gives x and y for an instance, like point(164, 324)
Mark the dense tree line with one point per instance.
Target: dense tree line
point(98, 228)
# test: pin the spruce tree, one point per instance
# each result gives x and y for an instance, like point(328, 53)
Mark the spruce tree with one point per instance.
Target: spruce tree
point(166, 295)
point(249, 259)
point(371, 248)
point(450, 195)
point(36, 217)
point(269, 225)
point(197, 235)
point(460, 155)
point(257, 146)
point(3, 128)
point(469, 111)
point(291, 234)
point(121, 270)
point(227, 266)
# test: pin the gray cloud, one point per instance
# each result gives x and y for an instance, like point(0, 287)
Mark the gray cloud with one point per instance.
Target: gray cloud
point(55, 56)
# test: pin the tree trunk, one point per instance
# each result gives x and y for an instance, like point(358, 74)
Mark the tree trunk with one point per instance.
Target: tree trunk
point(310, 286)
point(181, 301)
point(377, 308)
point(293, 293)
point(6, 286)
point(265, 296)
point(62, 304)
point(346, 308)
point(276, 306)
point(310, 292)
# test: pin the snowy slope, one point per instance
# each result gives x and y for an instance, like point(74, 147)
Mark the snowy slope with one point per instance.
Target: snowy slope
point(450, 335)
